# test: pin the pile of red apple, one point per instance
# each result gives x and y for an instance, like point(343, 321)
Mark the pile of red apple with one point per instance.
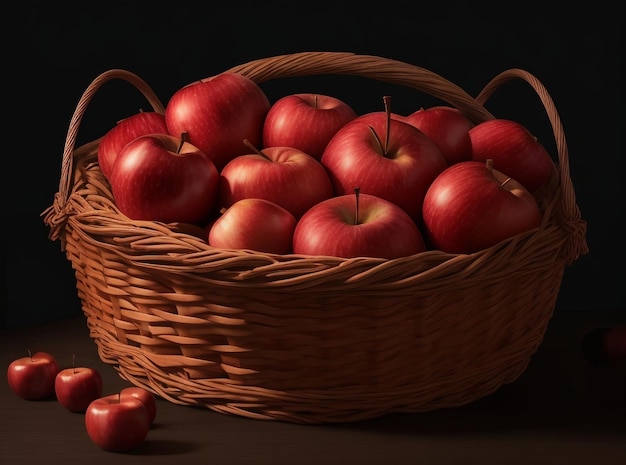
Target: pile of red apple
point(116, 422)
point(308, 175)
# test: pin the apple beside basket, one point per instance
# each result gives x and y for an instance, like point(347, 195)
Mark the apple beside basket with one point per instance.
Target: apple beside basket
point(309, 339)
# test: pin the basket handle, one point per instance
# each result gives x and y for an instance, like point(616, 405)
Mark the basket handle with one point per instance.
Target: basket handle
point(55, 215)
point(576, 227)
point(94, 86)
point(368, 66)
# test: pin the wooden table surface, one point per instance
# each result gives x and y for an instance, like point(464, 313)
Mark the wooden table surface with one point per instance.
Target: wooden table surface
point(563, 410)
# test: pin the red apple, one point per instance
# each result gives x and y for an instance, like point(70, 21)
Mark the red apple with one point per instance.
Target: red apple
point(471, 206)
point(218, 113)
point(117, 423)
point(158, 178)
point(514, 151)
point(284, 175)
point(77, 387)
point(255, 224)
point(139, 124)
point(32, 377)
point(353, 225)
point(383, 157)
point(306, 121)
point(145, 396)
point(448, 128)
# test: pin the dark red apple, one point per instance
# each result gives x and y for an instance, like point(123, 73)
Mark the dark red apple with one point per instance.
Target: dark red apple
point(77, 387)
point(471, 206)
point(306, 121)
point(159, 177)
point(117, 423)
point(353, 225)
point(254, 224)
point(218, 113)
point(384, 157)
point(285, 176)
point(514, 150)
point(139, 124)
point(32, 377)
point(448, 128)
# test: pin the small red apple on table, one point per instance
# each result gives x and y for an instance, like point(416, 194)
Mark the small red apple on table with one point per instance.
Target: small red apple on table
point(306, 121)
point(145, 396)
point(472, 206)
point(77, 387)
point(357, 225)
point(159, 177)
point(118, 422)
point(285, 176)
point(218, 113)
point(32, 377)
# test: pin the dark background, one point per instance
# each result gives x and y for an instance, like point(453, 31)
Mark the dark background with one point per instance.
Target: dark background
point(51, 53)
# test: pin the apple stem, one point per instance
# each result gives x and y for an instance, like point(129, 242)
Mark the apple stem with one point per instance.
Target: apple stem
point(251, 146)
point(183, 138)
point(30, 355)
point(489, 163)
point(315, 101)
point(357, 191)
point(380, 144)
point(74, 363)
point(387, 102)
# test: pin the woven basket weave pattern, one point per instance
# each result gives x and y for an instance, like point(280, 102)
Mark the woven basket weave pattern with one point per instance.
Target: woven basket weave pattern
point(311, 339)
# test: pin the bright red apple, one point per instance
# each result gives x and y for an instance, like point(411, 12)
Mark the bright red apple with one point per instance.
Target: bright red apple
point(306, 121)
point(357, 225)
point(145, 396)
point(158, 177)
point(255, 224)
point(384, 157)
point(472, 206)
point(139, 124)
point(448, 128)
point(77, 387)
point(514, 151)
point(117, 423)
point(218, 113)
point(284, 175)
point(32, 377)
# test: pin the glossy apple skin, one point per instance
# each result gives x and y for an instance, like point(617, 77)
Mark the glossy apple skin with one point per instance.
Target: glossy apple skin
point(145, 396)
point(353, 158)
point(117, 424)
point(284, 175)
point(448, 128)
point(468, 208)
point(514, 151)
point(218, 114)
point(384, 230)
point(32, 377)
point(306, 121)
point(152, 181)
point(255, 224)
point(77, 387)
point(126, 130)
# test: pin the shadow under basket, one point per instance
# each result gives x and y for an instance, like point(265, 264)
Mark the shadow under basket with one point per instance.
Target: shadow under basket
point(312, 339)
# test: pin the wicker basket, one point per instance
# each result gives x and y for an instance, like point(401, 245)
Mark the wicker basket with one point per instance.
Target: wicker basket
point(311, 339)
